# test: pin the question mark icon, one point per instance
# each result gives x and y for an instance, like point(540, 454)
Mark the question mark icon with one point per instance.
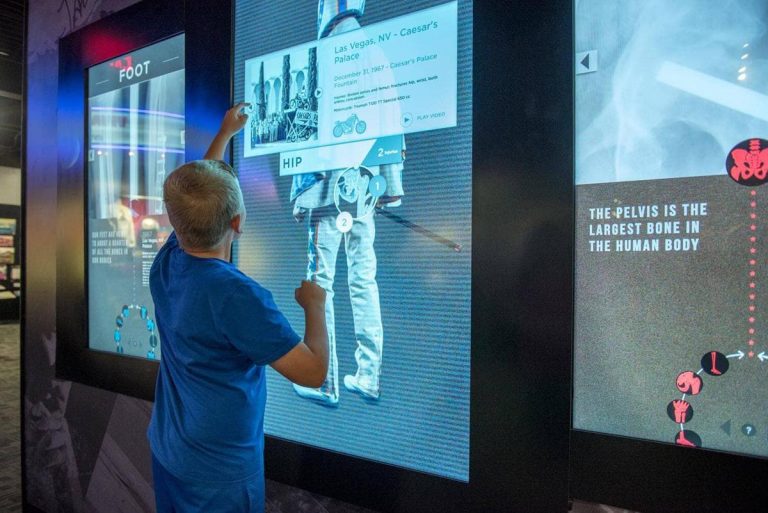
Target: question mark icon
point(748, 429)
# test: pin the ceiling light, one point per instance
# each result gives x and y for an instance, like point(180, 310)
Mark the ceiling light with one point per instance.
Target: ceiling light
point(4, 54)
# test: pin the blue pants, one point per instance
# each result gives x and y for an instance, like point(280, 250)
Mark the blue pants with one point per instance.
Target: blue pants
point(172, 495)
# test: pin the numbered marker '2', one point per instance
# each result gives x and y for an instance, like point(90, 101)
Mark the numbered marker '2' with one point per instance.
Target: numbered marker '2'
point(344, 222)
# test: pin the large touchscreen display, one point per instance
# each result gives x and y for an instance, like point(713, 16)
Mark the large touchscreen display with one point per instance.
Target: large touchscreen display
point(356, 167)
point(671, 339)
point(135, 138)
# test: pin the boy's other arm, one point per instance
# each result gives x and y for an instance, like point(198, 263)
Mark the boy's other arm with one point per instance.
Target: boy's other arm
point(307, 363)
point(234, 121)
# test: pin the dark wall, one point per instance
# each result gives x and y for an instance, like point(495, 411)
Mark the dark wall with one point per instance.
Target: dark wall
point(59, 474)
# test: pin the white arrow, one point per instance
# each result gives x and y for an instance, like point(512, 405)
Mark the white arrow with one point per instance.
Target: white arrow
point(739, 355)
point(763, 357)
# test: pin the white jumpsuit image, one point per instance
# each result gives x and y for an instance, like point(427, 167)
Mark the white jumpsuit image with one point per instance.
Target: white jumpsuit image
point(313, 204)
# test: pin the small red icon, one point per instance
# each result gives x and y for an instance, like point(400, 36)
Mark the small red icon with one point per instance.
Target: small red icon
point(681, 440)
point(713, 370)
point(748, 162)
point(689, 383)
point(120, 64)
point(714, 363)
point(681, 411)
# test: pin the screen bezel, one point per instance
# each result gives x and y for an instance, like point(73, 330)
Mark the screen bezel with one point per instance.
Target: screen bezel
point(518, 458)
point(714, 481)
point(128, 30)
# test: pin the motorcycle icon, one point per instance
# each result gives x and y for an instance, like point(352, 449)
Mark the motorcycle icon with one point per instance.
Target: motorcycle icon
point(352, 123)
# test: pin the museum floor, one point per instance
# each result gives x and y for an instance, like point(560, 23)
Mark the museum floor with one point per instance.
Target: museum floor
point(10, 443)
point(10, 436)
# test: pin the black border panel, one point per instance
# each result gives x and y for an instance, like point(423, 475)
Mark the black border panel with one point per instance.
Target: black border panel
point(522, 279)
point(208, 91)
point(654, 477)
point(208, 71)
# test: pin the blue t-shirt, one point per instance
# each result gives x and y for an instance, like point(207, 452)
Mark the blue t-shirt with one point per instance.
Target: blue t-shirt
point(219, 328)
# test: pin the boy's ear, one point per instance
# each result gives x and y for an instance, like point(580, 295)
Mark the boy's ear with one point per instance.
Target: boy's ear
point(235, 224)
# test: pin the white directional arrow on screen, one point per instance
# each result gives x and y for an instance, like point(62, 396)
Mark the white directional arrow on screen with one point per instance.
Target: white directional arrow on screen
point(763, 357)
point(739, 355)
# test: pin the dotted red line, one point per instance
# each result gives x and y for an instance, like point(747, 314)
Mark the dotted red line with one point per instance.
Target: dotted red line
point(752, 273)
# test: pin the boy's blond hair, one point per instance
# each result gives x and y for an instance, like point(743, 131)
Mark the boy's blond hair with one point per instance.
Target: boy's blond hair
point(202, 197)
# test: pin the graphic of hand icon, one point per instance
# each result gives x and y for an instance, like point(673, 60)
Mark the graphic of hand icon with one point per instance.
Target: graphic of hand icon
point(681, 411)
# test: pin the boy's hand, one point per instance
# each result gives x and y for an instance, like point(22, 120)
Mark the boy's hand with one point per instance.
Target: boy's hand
point(234, 120)
point(310, 296)
point(307, 363)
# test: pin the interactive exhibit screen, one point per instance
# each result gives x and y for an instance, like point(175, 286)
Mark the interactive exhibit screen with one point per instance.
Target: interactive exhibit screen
point(135, 137)
point(671, 328)
point(356, 167)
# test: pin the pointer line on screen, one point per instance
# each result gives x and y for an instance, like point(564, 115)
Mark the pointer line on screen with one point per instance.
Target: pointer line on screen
point(713, 89)
point(420, 230)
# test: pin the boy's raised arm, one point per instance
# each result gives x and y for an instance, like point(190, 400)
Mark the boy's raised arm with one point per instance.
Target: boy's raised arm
point(234, 121)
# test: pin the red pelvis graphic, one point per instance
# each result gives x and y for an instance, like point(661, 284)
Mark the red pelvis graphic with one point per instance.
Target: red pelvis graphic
point(750, 164)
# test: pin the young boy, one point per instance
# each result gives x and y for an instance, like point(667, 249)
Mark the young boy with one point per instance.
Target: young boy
point(219, 330)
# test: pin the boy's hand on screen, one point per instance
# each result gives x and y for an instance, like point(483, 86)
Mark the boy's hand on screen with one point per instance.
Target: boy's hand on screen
point(234, 120)
point(310, 295)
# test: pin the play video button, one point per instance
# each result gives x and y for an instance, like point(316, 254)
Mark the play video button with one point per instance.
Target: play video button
point(726, 427)
point(586, 62)
point(406, 119)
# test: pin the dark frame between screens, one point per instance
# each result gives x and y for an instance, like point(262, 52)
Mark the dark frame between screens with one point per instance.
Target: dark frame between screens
point(207, 90)
point(522, 240)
